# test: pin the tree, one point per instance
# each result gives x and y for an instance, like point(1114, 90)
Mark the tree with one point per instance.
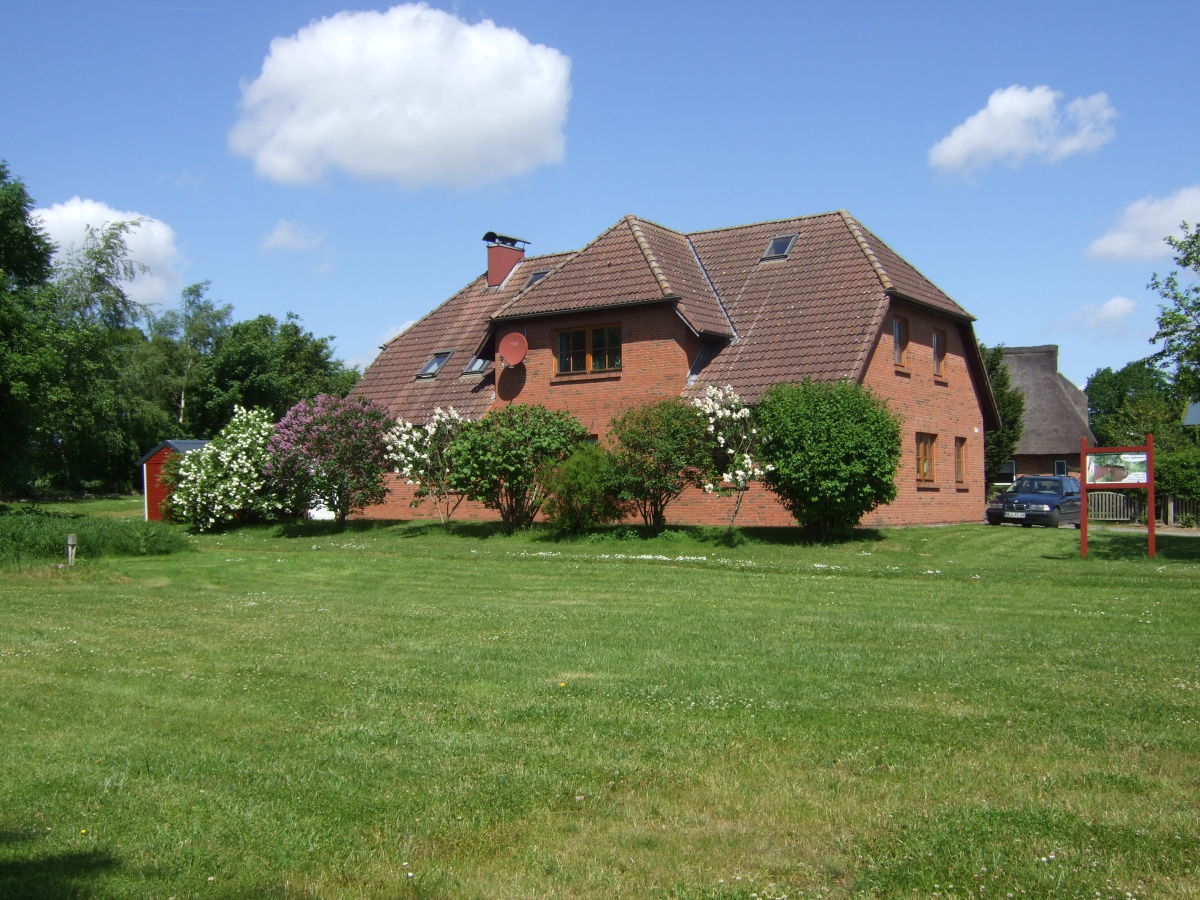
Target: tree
point(734, 443)
point(29, 359)
point(1179, 319)
point(421, 455)
point(180, 342)
point(999, 444)
point(662, 448)
point(330, 451)
point(1178, 474)
point(265, 363)
point(497, 460)
point(834, 449)
point(223, 482)
point(1135, 400)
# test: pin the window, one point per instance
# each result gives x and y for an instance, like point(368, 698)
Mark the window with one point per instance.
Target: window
point(535, 277)
point(925, 447)
point(900, 340)
point(478, 364)
point(960, 460)
point(1060, 467)
point(1008, 472)
point(435, 364)
point(589, 350)
point(939, 353)
point(779, 247)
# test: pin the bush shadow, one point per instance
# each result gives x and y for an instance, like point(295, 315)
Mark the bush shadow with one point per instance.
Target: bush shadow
point(47, 876)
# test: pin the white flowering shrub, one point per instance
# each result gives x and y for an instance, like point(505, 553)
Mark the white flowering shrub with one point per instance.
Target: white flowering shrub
point(223, 481)
point(420, 454)
point(734, 443)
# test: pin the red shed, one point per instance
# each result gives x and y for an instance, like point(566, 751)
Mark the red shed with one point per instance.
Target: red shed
point(154, 491)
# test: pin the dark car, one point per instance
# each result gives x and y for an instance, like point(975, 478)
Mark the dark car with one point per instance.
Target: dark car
point(1038, 500)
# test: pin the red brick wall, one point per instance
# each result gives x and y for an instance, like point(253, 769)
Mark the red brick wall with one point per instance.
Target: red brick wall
point(155, 491)
point(945, 406)
point(656, 347)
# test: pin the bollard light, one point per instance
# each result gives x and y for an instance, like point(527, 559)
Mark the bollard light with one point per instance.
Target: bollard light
point(72, 541)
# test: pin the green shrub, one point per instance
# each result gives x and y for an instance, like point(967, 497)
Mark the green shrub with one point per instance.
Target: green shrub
point(30, 534)
point(662, 447)
point(497, 460)
point(834, 447)
point(581, 491)
point(1178, 474)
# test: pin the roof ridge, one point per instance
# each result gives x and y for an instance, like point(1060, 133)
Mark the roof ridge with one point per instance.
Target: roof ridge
point(651, 260)
point(856, 230)
point(764, 222)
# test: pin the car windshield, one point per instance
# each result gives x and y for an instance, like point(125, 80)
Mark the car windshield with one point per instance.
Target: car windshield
point(1037, 486)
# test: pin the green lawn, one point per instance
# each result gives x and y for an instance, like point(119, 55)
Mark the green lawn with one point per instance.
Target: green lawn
point(394, 712)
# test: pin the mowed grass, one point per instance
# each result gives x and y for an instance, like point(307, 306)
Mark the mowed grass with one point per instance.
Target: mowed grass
point(398, 712)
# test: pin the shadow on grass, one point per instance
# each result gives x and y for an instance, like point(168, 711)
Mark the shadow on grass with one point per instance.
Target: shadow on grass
point(1131, 545)
point(398, 528)
point(715, 536)
point(37, 876)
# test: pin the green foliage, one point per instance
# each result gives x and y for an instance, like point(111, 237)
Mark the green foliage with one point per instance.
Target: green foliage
point(31, 534)
point(223, 482)
point(834, 448)
point(25, 251)
point(498, 459)
point(1001, 443)
point(1179, 318)
point(662, 448)
point(1178, 474)
point(268, 364)
point(1138, 399)
point(582, 490)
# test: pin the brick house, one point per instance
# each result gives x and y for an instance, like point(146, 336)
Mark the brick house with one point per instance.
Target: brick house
point(644, 312)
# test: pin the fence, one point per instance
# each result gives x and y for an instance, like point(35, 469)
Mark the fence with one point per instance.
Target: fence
point(1130, 506)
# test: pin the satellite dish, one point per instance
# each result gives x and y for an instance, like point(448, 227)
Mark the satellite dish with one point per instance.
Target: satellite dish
point(513, 348)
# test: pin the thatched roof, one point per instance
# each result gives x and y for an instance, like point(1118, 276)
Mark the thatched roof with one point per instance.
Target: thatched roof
point(1056, 412)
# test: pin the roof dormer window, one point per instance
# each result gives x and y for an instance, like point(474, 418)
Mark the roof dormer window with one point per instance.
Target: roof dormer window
point(535, 277)
point(779, 247)
point(431, 368)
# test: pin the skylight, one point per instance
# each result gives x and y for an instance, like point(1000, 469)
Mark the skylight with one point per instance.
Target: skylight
point(535, 277)
point(478, 364)
point(779, 247)
point(434, 365)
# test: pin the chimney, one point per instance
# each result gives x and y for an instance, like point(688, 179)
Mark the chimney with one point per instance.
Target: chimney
point(503, 254)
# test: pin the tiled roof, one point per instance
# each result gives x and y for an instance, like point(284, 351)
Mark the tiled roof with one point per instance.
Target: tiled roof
point(814, 314)
point(632, 262)
point(459, 326)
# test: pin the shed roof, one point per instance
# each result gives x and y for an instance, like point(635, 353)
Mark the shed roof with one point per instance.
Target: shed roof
point(176, 445)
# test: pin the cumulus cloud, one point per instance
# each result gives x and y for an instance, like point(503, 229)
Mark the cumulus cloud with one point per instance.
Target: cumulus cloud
point(1019, 123)
point(289, 235)
point(412, 95)
point(151, 243)
point(1109, 319)
point(1144, 223)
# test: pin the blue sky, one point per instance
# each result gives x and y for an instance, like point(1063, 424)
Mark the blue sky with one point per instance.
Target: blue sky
point(342, 162)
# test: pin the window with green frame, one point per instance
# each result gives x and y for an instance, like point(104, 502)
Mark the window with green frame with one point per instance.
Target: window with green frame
point(595, 349)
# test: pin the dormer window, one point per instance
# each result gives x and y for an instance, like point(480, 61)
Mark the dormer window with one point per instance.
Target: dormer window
point(435, 364)
point(779, 247)
point(535, 277)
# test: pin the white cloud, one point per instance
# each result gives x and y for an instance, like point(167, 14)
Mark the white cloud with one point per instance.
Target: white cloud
point(290, 235)
point(151, 243)
point(1144, 223)
point(1018, 123)
point(412, 95)
point(1110, 319)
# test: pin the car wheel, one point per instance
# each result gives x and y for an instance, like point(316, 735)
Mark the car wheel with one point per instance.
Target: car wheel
point(1078, 525)
point(1054, 518)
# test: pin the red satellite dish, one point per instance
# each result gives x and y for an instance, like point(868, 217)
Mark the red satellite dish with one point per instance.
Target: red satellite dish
point(513, 348)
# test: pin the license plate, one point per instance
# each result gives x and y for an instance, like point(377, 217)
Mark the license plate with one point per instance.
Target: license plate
point(1014, 515)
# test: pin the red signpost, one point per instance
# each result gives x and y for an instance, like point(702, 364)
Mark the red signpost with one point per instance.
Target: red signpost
point(1116, 468)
